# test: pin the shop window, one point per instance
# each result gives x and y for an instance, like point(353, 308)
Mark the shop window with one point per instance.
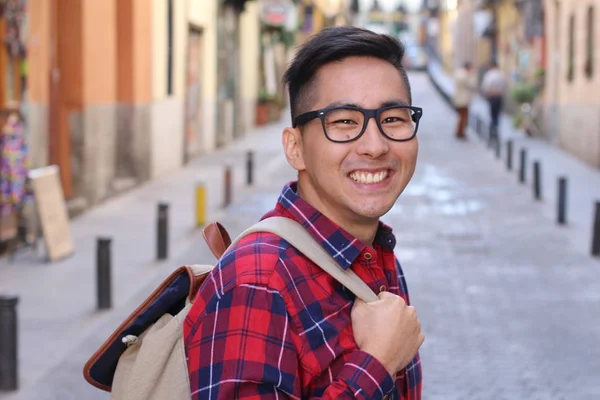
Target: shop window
point(571, 65)
point(589, 56)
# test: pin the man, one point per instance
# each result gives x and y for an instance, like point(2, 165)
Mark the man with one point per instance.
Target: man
point(270, 324)
point(493, 87)
point(465, 85)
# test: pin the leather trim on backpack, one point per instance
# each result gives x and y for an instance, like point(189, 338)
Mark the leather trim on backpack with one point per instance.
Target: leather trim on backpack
point(197, 274)
point(217, 238)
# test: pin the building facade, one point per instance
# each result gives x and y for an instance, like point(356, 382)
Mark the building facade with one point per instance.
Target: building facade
point(123, 91)
point(572, 79)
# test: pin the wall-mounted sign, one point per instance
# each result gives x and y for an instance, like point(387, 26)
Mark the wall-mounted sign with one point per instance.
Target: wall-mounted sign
point(276, 12)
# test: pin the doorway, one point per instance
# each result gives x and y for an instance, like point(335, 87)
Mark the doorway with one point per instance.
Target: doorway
point(193, 95)
point(66, 93)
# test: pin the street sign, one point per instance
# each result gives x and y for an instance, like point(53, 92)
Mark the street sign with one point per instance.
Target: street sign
point(52, 212)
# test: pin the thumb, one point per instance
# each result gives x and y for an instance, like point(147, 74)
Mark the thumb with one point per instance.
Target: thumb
point(358, 303)
point(386, 295)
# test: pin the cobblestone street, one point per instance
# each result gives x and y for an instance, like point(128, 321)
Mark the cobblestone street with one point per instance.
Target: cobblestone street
point(508, 303)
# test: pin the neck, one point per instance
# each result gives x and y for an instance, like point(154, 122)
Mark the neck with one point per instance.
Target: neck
point(363, 229)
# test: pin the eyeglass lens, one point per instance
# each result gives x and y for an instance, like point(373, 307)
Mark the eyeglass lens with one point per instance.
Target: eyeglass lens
point(346, 124)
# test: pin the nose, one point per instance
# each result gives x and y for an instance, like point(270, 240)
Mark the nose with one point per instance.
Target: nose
point(372, 143)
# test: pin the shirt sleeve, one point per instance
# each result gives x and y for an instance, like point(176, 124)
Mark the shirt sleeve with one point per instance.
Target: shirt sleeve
point(243, 348)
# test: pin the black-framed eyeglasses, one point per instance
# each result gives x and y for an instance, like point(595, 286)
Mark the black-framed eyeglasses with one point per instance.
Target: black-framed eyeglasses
point(343, 124)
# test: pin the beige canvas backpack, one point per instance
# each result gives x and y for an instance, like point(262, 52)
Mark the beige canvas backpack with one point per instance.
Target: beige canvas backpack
point(144, 358)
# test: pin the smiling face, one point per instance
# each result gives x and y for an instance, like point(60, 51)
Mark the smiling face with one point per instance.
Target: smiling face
point(356, 182)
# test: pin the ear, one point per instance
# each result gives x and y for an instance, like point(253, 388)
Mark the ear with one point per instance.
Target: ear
point(292, 146)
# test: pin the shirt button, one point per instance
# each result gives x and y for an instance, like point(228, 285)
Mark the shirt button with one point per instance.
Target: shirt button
point(382, 288)
point(368, 256)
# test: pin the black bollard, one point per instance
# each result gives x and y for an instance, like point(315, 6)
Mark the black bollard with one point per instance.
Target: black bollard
point(562, 200)
point(596, 234)
point(249, 167)
point(9, 377)
point(162, 236)
point(103, 276)
point(537, 180)
point(509, 155)
point(523, 165)
point(227, 194)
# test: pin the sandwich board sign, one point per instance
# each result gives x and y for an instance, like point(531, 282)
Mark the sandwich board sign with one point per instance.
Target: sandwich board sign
point(52, 212)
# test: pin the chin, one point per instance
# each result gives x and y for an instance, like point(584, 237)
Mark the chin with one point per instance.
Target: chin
point(372, 212)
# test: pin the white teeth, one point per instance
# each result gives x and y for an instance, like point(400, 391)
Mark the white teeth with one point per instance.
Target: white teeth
point(367, 177)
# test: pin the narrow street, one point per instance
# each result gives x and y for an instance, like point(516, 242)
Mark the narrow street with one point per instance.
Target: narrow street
point(508, 305)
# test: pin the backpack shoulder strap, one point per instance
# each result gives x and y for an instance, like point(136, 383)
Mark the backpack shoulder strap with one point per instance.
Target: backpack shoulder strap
point(297, 236)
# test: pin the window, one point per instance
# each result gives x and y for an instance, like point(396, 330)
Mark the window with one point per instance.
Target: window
point(571, 66)
point(589, 56)
point(169, 47)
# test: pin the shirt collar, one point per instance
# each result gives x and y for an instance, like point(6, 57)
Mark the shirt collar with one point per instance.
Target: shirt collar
point(342, 246)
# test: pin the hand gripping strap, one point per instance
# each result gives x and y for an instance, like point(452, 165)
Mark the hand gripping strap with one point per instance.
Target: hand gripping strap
point(297, 236)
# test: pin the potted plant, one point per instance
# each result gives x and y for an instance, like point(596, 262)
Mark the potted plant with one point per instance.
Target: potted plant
point(262, 108)
point(525, 94)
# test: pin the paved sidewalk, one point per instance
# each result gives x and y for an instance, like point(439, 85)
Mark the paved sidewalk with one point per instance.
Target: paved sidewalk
point(57, 300)
point(508, 302)
point(583, 180)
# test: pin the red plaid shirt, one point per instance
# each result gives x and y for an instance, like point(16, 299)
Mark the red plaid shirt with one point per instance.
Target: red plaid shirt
point(269, 324)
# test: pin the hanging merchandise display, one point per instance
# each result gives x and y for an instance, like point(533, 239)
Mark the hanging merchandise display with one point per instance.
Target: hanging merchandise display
point(14, 167)
point(14, 14)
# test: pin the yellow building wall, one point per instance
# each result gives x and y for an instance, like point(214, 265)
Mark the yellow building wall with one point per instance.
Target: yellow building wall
point(167, 112)
point(159, 48)
point(446, 19)
point(509, 33)
point(318, 20)
point(203, 14)
point(572, 107)
point(249, 63)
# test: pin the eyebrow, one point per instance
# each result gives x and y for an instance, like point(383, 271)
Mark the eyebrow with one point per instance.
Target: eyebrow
point(395, 102)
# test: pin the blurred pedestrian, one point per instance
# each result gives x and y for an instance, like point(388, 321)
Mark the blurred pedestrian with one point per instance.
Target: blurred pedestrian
point(494, 87)
point(268, 323)
point(465, 86)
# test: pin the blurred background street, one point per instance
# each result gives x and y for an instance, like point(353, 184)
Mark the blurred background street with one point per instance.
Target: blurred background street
point(140, 102)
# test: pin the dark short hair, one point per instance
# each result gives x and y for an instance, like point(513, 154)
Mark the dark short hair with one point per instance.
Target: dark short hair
point(336, 44)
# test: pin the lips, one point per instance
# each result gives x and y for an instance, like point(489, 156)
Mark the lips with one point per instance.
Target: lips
point(369, 177)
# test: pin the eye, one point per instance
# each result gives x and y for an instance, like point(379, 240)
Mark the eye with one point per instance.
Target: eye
point(396, 115)
point(344, 121)
point(393, 119)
